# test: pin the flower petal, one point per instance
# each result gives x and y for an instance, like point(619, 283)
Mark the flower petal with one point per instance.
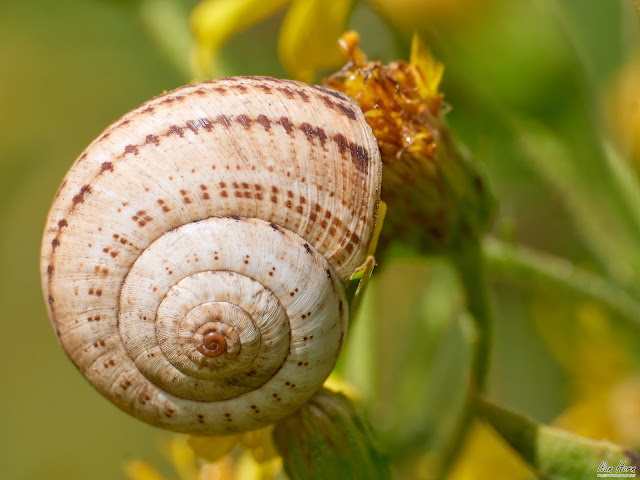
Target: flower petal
point(429, 70)
point(309, 36)
point(260, 443)
point(182, 458)
point(214, 21)
point(139, 470)
point(213, 448)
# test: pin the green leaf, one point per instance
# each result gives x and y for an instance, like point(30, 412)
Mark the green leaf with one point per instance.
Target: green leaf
point(591, 185)
point(556, 454)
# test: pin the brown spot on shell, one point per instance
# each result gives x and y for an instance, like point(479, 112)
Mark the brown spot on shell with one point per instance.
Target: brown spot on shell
point(79, 197)
point(223, 120)
point(303, 96)
point(245, 121)
point(106, 166)
point(338, 106)
point(206, 124)
point(327, 90)
point(286, 124)
point(131, 149)
point(314, 132)
point(286, 91)
point(265, 122)
point(358, 153)
point(176, 130)
point(152, 139)
point(193, 126)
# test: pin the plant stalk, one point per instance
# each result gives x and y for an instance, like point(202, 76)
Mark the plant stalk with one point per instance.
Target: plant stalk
point(469, 263)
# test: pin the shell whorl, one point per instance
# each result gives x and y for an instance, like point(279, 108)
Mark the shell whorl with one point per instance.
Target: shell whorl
point(194, 257)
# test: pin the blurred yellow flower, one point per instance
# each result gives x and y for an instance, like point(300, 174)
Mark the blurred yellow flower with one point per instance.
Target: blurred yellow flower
point(308, 37)
point(622, 109)
point(244, 456)
point(487, 455)
point(605, 385)
point(216, 458)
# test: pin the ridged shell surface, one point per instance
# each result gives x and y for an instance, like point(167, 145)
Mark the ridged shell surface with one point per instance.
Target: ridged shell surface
point(194, 257)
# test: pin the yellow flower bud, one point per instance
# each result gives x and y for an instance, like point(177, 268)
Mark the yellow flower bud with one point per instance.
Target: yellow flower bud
point(436, 197)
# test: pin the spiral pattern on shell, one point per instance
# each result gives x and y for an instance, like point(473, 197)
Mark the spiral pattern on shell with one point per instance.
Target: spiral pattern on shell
point(194, 257)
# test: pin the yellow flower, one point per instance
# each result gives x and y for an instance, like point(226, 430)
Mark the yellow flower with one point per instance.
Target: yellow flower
point(605, 382)
point(485, 455)
point(307, 40)
point(436, 197)
point(216, 458)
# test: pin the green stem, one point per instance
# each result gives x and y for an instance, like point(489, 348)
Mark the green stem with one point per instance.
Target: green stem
point(525, 264)
point(469, 262)
point(553, 453)
point(470, 265)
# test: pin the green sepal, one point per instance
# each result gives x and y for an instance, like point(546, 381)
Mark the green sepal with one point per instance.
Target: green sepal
point(328, 438)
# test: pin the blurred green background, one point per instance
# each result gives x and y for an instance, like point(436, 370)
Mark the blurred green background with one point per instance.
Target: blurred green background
point(535, 94)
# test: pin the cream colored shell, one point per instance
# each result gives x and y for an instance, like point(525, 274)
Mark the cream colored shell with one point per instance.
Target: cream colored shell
point(194, 257)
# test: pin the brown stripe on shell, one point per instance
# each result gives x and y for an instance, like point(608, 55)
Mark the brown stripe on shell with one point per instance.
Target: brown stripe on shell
point(358, 153)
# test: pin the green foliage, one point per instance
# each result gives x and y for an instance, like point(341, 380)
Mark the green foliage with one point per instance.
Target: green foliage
point(556, 454)
point(527, 85)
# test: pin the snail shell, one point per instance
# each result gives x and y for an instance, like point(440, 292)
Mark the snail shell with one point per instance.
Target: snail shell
point(194, 257)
